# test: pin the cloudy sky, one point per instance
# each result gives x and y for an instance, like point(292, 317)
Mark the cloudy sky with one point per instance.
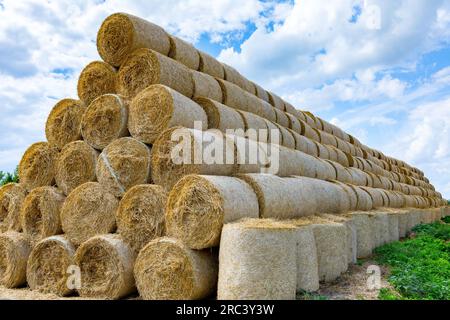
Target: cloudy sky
point(379, 69)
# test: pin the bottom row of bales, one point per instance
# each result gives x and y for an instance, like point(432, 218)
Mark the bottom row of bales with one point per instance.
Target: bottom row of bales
point(257, 259)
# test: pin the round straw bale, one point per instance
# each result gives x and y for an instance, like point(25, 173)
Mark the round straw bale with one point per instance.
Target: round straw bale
point(305, 145)
point(64, 122)
point(167, 269)
point(393, 218)
point(327, 138)
point(89, 210)
point(287, 139)
point(238, 98)
point(220, 116)
point(258, 261)
point(233, 76)
point(309, 132)
point(281, 118)
point(96, 79)
point(312, 120)
point(324, 170)
point(167, 169)
point(105, 120)
point(48, 264)
point(289, 108)
point(323, 151)
point(331, 239)
point(261, 93)
point(253, 156)
point(106, 264)
point(364, 233)
point(294, 123)
point(211, 66)
point(123, 164)
point(376, 195)
point(158, 108)
point(198, 206)
point(14, 252)
point(351, 236)
point(342, 175)
point(140, 216)
point(276, 101)
point(352, 204)
point(206, 86)
point(255, 124)
point(341, 157)
point(145, 67)
point(37, 166)
point(120, 34)
point(365, 202)
point(40, 213)
point(307, 264)
point(184, 53)
point(359, 178)
point(297, 199)
point(12, 196)
point(75, 166)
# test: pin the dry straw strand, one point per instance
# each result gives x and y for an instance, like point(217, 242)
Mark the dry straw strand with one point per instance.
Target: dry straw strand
point(14, 252)
point(184, 53)
point(12, 196)
point(96, 79)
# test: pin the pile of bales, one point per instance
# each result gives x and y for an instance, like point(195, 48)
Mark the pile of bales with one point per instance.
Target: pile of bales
point(105, 199)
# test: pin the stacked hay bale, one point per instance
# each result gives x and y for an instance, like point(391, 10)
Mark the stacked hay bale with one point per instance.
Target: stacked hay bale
point(108, 199)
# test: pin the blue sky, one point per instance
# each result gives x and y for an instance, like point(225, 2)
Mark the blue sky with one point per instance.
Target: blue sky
point(379, 69)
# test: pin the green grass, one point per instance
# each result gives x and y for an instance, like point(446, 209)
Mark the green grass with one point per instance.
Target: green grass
point(6, 177)
point(310, 296)
point(420, 266)
point(446, 219)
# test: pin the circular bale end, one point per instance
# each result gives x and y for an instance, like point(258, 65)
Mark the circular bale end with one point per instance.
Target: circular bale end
point(198, 206)
point(37, 166)
point(121, 33)
point(96, 79)
point(106, 265)
point(75, 166)
point(89, 210)
point(105, 120)
point(123, 164)
point(14, 252)
point(12, 196)
point(166, 269)
point(48, 264)
point(158, 108)
point(64, 122)
point(140, 216)
point(40, 213)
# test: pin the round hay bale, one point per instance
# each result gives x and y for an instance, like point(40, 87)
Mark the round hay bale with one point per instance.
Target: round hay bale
point(289, 108)
point(307, 263)
point(198, 207)
point(14, 252)
point(326, 138)
point(211, 66)
point(331, 239)
point(37, 166)
point(238, 98)
point(40, 213)
point(261, 93)
point(123, 164)
point(312, 120)
point(96, 79)
point(48, 264)
point(233, 76)
point(324, 170)
point(276, 101)
point(351, 242)
point(297, 199)
point(64, 122)
point(342, 175)
point(145, 67)
point(105, 120)
point(309, 132)
point(167, 170)
point(287, 139)
point(294, 124)
point(364, 234)
point(257, 261)
point(377, 196)
point(89, 210)
point(12, 196)
point(341, 157)
point(359, 178)
point(206, 86)
point(305, 145)
point(75, 166)
point(365, 202)
point(120, 34)
point(106, 264)
point(281, 118)
point(220, 116)
point(159, 108)
point(167, 269)
point(352, 204)
point(140, 215)
point(255, 124)
point(184, 53)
